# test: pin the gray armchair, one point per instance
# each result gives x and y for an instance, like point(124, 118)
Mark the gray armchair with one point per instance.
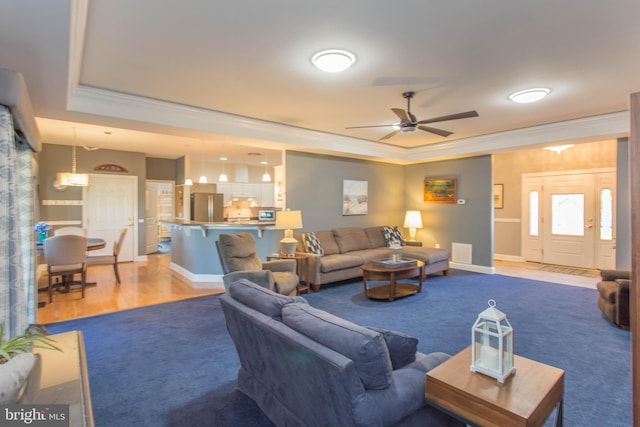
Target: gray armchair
point(239, 260)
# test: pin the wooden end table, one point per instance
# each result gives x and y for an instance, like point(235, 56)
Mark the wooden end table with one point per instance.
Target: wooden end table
point(526, 398)
point(392, 290)
point(301, 269)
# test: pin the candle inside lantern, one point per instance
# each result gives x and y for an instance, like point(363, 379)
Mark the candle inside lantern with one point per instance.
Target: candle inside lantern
point(489, 357)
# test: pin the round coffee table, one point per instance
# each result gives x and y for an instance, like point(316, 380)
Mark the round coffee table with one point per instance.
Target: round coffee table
point(378, 272)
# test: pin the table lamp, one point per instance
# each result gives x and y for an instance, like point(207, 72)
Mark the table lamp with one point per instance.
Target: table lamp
point(287, 221)
point(413, 220)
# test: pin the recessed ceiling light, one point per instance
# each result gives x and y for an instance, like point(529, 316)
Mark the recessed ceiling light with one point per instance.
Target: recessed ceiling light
point(529, 95)
point(333, 60)
point(559, 148)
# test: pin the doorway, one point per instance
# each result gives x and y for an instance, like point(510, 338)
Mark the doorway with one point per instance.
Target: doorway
point(159, 207)
point(570, 218)
point(111, 204)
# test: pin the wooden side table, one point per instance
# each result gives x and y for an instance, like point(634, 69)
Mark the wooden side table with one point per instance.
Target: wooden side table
point(301, 269)
point(62, 378)
point(526, 398)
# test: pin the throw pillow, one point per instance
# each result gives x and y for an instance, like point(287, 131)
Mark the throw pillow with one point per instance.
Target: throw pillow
point(402, 348)
point(391, 235)
point(312, 244)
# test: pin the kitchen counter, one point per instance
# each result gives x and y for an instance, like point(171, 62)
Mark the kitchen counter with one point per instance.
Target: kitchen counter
point(193, 247)
point(206, 226)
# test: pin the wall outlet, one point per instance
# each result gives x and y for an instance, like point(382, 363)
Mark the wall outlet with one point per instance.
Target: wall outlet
point(437, 245)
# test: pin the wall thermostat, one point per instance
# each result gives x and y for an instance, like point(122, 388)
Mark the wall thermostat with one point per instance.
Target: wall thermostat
point(461, 201)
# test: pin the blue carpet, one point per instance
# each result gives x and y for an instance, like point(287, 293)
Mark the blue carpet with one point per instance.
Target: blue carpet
point(175, 365)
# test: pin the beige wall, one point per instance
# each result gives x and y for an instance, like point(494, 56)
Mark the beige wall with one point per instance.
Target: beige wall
point(508, 169)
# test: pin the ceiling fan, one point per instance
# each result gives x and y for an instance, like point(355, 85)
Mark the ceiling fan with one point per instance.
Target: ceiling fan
point(409, 123)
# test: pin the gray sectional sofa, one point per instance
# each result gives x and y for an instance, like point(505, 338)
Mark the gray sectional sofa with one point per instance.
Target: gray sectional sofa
point(306, 367)
point(344, 250)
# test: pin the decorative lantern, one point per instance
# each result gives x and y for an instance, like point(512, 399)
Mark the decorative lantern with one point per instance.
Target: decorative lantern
point(492, 344)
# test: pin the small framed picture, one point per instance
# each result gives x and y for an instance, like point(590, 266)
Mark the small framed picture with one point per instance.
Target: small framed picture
point(498, 196)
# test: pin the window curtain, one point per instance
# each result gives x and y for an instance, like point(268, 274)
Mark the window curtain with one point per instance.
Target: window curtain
point(18, 293)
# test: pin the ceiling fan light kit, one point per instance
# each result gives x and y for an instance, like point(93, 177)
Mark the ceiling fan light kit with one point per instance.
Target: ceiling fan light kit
point(409, 122)
point(529, 95)
point(333, 60)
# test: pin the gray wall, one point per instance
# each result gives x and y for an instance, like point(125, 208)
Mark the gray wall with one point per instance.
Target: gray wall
point(57, 158)
point(623, 207)
point(161, 169)
point(471, 223)
point(314, 185)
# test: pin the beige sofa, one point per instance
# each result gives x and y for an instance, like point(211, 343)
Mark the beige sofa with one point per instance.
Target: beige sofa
point(347, 248)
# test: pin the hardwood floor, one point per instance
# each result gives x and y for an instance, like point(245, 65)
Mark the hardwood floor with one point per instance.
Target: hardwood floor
point(152, 282)
point(536, 271)
point(143, 283)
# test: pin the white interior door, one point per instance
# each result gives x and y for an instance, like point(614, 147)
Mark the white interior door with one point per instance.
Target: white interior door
point(111, 204)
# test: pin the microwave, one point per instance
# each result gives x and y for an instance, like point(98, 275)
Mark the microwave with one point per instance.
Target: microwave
point(267, 215)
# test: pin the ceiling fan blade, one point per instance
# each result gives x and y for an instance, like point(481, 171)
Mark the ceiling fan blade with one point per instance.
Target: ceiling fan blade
point(450, 117)
point(389, 135)
point(402, 114)
point(372, 126)
point(434, 130)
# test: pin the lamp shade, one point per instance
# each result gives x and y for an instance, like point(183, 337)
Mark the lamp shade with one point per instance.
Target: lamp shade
point(72, 179)
point(413, 219)
point(286, 220)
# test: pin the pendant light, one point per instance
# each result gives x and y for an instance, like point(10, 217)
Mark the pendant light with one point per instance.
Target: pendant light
point(223, 175)
point(72, 179)
point(203, 177)
point(266, 177)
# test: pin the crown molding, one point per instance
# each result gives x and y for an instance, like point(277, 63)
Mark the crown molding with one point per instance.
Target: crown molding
point(85, 99)
point(594, 128)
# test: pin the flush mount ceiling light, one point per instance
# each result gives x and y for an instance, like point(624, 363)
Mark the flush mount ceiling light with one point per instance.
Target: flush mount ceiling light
point(529, 95)
point(559, 148)
point(333, 60)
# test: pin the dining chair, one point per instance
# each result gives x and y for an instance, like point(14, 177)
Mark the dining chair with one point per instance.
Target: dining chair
point(66, 256)
point(77, 231)
point(110, 259)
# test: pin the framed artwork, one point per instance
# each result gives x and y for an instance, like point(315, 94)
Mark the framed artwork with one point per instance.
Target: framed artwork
point(355, 197)
point(498, 196)
point(440, 190)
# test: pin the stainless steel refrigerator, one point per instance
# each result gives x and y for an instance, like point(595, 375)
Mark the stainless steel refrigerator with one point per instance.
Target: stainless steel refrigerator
point(207, 207)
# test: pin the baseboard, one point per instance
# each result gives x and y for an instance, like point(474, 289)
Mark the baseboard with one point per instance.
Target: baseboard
point(471, 267)
point(513, 258)
point(199, 281)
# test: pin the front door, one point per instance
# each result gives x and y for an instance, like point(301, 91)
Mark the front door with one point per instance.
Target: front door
point(110, 204)
point(569, 213)
point(570, 218)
